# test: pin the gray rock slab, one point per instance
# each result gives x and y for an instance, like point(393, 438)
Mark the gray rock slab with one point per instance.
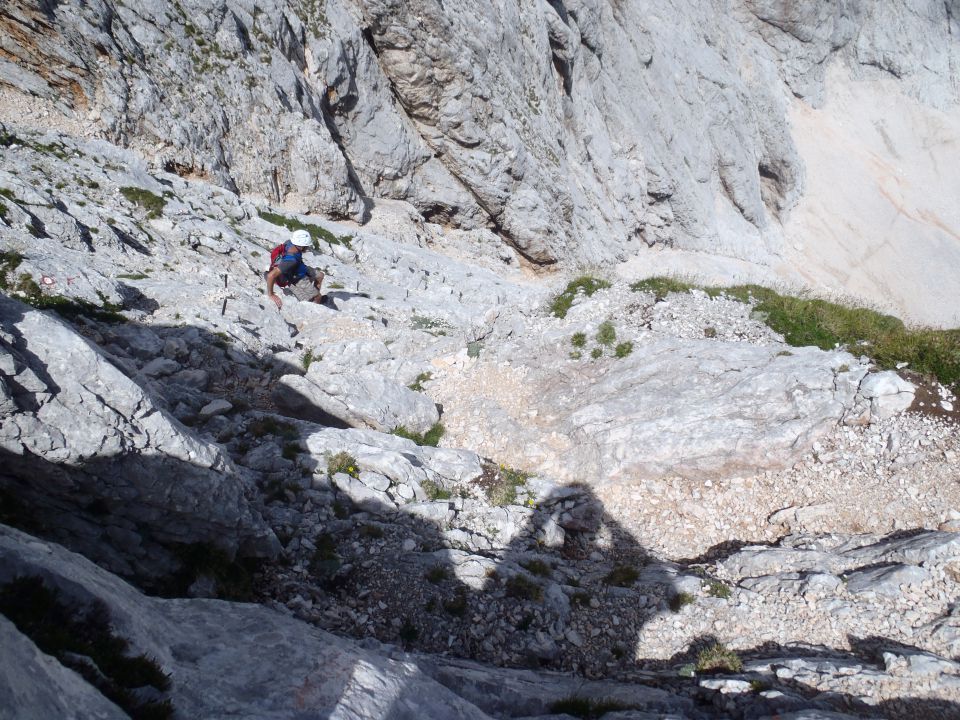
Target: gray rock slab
point(886, 581)
point(360, 399)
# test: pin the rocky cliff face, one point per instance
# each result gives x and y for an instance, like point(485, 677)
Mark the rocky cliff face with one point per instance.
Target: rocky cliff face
point(650, 497)
point(579, 131)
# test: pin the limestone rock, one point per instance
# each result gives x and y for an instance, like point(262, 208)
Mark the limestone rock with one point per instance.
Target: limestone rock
point(362, 399)
point(84, 435)
point(888, 394)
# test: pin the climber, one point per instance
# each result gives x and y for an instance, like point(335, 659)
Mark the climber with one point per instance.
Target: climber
point(287, 269)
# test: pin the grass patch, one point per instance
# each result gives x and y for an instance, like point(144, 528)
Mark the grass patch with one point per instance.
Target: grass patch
point(83, 640)
point(501, 487)
point(718, 589)
point(622, 576)
point(408, 632)
point(430, 438)
point(317, 233)
point(268, 426)
point(586, 708)
point(680, 601)
point(290, 450)
point(343, 462)
point(3, 212)
point(129, 276)
point(564, 301)
point(434, 491)
point(433, 326)
point(152, 204)
point(824, 324)
point(661, 286)
point(372, 532)
point(578, 339)
point(308, 358)
point(884, 338)
point(718, 658)
point(581, 598)
point(436, 575)
point(522, 587)
point(623, 349)
point(537, 567)
point(417, 385)
point(596, 353)
point(457, 605)
point(324, 563)
point(606, 334)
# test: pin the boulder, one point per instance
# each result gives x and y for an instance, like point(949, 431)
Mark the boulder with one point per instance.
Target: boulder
point(362, 399)
point(888, 393)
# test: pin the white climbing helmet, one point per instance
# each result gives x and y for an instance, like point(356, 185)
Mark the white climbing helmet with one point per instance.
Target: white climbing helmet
point(301, 238)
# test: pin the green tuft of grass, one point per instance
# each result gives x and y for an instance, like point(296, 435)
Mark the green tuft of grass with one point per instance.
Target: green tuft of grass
point(129, 276)
point(317, 233)
point(434, 491)
point(661, 286)
point(268, 426)
point(581, 598)
point(501, 487)
point(152, 204)
point(622, 576)
point(430, 438)
point(417, 385)
point(291, 450)
point(586, 708)
point(718, 589)
point(718, 658)
point(596, 353)
point(606, 334)
point(537, 567)
point(623, 349)
point(523, 588)
point(436, 575)
point(680, 600)
point(457, 605)
point(343, 462)
point(325, 562)
point(308, 358)
point(408, 632)
point(578, 339)
point(372, 532)
point(564, 301)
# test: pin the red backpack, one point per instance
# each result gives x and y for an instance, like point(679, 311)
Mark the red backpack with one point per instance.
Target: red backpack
point(275, 256)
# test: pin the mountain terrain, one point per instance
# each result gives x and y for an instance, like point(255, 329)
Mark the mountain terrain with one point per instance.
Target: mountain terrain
point(502, 470)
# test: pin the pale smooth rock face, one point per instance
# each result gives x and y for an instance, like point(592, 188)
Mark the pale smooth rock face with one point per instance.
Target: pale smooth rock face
point(88, 450)
point(361, 398)
point(888, 393)
point(578, 130)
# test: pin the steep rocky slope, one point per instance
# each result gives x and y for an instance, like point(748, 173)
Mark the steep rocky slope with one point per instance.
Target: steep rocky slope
point(619, 520)
point(579, 131)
